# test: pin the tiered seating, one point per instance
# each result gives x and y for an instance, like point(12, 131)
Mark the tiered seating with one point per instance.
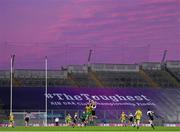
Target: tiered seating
point(40, 82)
point(98, 75)
point(175, 72)
point(4, 82)
point(122, 79)
point(162, 78)
point(4, 78)
point(59, 83)
point(173, 67)
point(34, 78)
point(83, 80)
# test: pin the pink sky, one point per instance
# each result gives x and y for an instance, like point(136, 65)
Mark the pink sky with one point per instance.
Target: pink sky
point(118, 31)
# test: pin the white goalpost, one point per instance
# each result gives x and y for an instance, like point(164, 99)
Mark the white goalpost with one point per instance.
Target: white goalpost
point(36, 118)
point(11, 81)
point(46, 107)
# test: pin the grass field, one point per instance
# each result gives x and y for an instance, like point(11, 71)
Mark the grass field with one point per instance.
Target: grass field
point(90, 129)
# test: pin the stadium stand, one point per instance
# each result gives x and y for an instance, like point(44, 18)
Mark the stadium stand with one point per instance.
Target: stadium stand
point(4, 78)
point(119, 75)
point(80, 77)
point(35, 78)
point(122, 79)
point(173, 67)
point(159, 75)
point(162, 78)
point(147, 74)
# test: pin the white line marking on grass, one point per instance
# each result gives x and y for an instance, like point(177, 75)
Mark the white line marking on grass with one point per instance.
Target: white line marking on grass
point(86, 131)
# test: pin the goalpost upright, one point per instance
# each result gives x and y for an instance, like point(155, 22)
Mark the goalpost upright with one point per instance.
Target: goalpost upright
point(46, 109)
point(46, 87)
point(11, 82)
point(11, 88)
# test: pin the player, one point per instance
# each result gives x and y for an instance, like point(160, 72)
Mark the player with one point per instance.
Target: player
point(123, 118)
point(93, 116)
point(68, 120)
point(56, 121)
point(88, 112)
point(11, 120)
point(93, 105)
point(75, 119)
point(83, 119)
point(150, 115)
point(26, 119)
point(138, 116)
point(131, 119)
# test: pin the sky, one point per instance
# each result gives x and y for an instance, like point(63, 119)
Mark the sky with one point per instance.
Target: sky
point(118, 31)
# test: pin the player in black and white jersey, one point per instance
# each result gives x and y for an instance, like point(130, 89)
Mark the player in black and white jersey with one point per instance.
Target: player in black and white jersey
point(75, 119)
point(56, 120)
point(27, 118)
point(151, 115)
point(131, 119)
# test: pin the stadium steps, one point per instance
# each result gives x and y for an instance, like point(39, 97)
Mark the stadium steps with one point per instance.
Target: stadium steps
point(173, 74)
point(95, 78)
point(148, 79)
point(72, 80)
point(172, 79)
point(16, 82)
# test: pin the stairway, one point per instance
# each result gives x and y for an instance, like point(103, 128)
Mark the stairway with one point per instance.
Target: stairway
point(16, 82)
point(148, 79)
point(95, 78)
point(73, 81)
point(172, 79)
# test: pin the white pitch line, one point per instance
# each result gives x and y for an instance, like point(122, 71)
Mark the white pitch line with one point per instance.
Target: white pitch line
point(84, 131)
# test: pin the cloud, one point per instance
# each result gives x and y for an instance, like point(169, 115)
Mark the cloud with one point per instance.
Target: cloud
point(88, 23)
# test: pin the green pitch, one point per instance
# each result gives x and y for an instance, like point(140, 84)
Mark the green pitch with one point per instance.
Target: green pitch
point(90, 129)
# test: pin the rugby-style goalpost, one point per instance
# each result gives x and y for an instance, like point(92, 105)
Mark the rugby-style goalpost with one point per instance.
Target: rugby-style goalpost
point(38, 118)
